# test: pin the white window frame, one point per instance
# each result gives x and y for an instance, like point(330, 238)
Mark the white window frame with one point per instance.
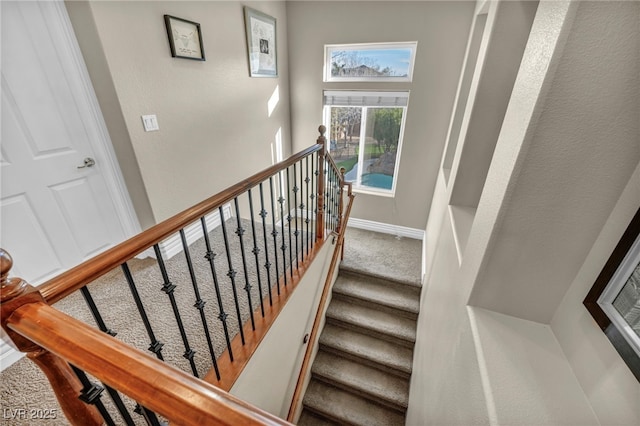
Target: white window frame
point(329, 48)
point(357, 184)
point(606, 299)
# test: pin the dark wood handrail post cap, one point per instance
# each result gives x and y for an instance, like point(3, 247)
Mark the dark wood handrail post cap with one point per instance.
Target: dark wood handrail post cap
point(322, 129)
point(9, 287)
point(343, 171)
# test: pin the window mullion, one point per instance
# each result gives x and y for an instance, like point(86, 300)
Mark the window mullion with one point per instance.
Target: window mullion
point(361, 144)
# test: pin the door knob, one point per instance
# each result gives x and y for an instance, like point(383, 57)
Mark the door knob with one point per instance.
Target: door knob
point(88, 162)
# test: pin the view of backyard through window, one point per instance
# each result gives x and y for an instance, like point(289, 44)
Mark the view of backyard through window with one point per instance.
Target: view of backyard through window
point(365, 140)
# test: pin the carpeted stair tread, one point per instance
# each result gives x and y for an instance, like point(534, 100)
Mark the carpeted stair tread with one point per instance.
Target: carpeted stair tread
point(382, 324)
point(375, 352)
point(378, 291)
point(307, 418)
point(362, 380)
point(347, 408)
point(385, 277)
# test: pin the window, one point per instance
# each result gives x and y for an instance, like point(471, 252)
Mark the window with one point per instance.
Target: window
point(365, 136)
point(370, 61)
point(614, 299)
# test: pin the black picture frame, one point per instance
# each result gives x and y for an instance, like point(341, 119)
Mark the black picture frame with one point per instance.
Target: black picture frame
point(185, 38)
point(610, 329)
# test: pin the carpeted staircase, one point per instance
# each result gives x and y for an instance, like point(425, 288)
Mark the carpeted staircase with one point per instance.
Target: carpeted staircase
point(361, 373)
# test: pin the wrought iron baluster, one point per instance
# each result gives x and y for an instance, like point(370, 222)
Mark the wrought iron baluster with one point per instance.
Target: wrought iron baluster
point(95, 312)
point(307, 220)
point(255, 250)
point(199, 305)
point(148, 415)
point(122, 409)
point(283, 247)
point(247, 285)
point(289, 223)
point(210, 256)
point(274, 233)
point(314, 197)
point(295, 212)
point(232, 273)
point(169, 289)
point(91, 394)
point(156, 346)
point(267, 263)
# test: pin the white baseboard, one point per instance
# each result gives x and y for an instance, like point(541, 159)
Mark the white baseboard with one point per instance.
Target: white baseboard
point(173, 245)
point(8, 354)
point(385, 228)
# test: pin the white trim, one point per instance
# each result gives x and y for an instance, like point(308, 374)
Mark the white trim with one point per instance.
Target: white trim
point(613, 289)
point(96, 127)
point(8, 354)
point(386, 228)
point(173, 245)
point(328, 48)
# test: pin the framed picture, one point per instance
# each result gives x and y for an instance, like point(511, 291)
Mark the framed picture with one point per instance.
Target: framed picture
point(185, 38)
point(614, 299)
point(261, 43)
point(372, 62)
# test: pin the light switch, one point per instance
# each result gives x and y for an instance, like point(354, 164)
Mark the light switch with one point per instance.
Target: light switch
point(150, 123)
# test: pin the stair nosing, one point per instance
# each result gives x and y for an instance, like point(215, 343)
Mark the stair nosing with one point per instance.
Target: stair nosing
point(354, 271)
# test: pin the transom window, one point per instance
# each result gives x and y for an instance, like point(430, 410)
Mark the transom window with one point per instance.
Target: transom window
point(365, 136)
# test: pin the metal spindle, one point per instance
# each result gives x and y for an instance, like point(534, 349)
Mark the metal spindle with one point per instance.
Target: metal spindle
point(148, 415)
point(169, 289)
point(199, 305)
point(210, 256)
point(301, 206)
point(283, 247)
point(314, 198)
point(267, 264)
point(295, 213)
point(274, 233)
point(156, 346)
point(255, 250)
point(289, 223)
point(247, 285)
point(91, 394)
point(232, 273)
point(122, 409)
point(95, 312)
point(307, 220)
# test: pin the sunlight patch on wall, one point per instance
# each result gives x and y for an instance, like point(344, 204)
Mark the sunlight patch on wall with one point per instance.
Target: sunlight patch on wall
point(273, 100)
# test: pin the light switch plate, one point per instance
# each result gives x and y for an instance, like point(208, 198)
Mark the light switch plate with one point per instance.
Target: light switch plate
point(150, 123)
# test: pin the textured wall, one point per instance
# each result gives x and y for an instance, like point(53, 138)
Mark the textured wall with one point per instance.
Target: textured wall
point(214, 124)
point(572, 104)
point(441, 29)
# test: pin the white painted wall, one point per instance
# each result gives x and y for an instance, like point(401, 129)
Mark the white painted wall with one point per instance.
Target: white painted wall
point(440, 28)
point(612, 391)
point(215, 125)
point(473, 365)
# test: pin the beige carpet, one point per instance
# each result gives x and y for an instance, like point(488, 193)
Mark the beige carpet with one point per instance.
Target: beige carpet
point(388, 256)
point(23, 386)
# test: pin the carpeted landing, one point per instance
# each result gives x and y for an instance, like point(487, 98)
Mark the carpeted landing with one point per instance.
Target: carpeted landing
point(361, 373)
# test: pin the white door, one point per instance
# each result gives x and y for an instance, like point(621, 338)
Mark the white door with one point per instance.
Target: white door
point(56, 210)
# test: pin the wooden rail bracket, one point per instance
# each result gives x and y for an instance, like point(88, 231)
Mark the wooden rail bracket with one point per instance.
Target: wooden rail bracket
point(15, 293)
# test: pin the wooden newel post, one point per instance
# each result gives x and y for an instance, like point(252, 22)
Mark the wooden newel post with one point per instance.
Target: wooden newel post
point(321, 154)
point(14, 293)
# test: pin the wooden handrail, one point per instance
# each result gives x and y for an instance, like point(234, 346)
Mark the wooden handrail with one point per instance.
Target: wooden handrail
point(297, 395)
point(172, 393)
point(66, 283)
